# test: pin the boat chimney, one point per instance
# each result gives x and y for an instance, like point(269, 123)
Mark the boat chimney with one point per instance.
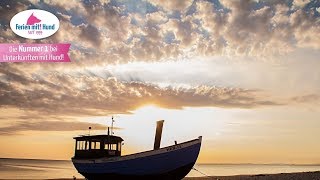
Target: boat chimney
point(157, 138)
point(108, 131)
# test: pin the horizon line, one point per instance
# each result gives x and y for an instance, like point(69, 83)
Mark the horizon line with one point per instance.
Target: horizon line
point(246, 163)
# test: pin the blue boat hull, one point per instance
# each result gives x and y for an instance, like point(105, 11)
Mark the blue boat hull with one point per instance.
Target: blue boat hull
point(173, 162)
point(175, 174)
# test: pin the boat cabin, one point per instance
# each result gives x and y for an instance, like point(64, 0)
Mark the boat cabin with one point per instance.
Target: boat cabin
point(97, 146)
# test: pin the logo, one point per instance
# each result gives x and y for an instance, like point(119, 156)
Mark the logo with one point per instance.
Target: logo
point(32, 20)
point(34, 24)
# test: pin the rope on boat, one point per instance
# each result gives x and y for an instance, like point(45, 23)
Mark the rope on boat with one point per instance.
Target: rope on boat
point(207, 176)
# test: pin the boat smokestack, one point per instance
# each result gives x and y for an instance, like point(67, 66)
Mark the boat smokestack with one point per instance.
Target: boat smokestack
point(157, 138)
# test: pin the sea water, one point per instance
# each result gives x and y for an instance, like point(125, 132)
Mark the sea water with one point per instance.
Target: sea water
point(54, 169)
point(36, 169)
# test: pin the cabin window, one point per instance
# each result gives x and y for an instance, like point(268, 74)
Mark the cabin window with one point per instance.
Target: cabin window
point(110, 146)
point(113, 146)
point(79, 145)
point(95, 145)
point(84, 145)
point(87, 145)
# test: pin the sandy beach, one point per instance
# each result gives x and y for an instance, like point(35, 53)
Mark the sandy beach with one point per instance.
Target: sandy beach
point(282, 176)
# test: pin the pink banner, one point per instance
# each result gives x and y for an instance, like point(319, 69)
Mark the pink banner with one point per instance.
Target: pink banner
point(34, 52)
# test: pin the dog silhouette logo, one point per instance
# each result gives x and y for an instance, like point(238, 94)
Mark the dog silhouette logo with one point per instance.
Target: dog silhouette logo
point(32, 20)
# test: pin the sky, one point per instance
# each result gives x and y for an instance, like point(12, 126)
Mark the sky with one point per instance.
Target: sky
point(244, 74)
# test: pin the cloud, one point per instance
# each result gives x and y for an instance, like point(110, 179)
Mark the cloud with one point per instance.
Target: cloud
point(184, 31)
point(178, 5)
point(305, 28)
point(309, 98)
point(104, 33)
point(300, 3)
point(91, 34)
point(212, 19)
point(92, 95)
point(8, 9)
point(46, 125)
point(107, 32)
point(251, 28)
point(54, 101)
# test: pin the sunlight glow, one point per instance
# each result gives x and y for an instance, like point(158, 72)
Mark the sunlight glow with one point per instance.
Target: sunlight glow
point(138, 128)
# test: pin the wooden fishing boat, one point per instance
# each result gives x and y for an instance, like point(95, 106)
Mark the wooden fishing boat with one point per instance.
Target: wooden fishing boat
point(99, 157)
